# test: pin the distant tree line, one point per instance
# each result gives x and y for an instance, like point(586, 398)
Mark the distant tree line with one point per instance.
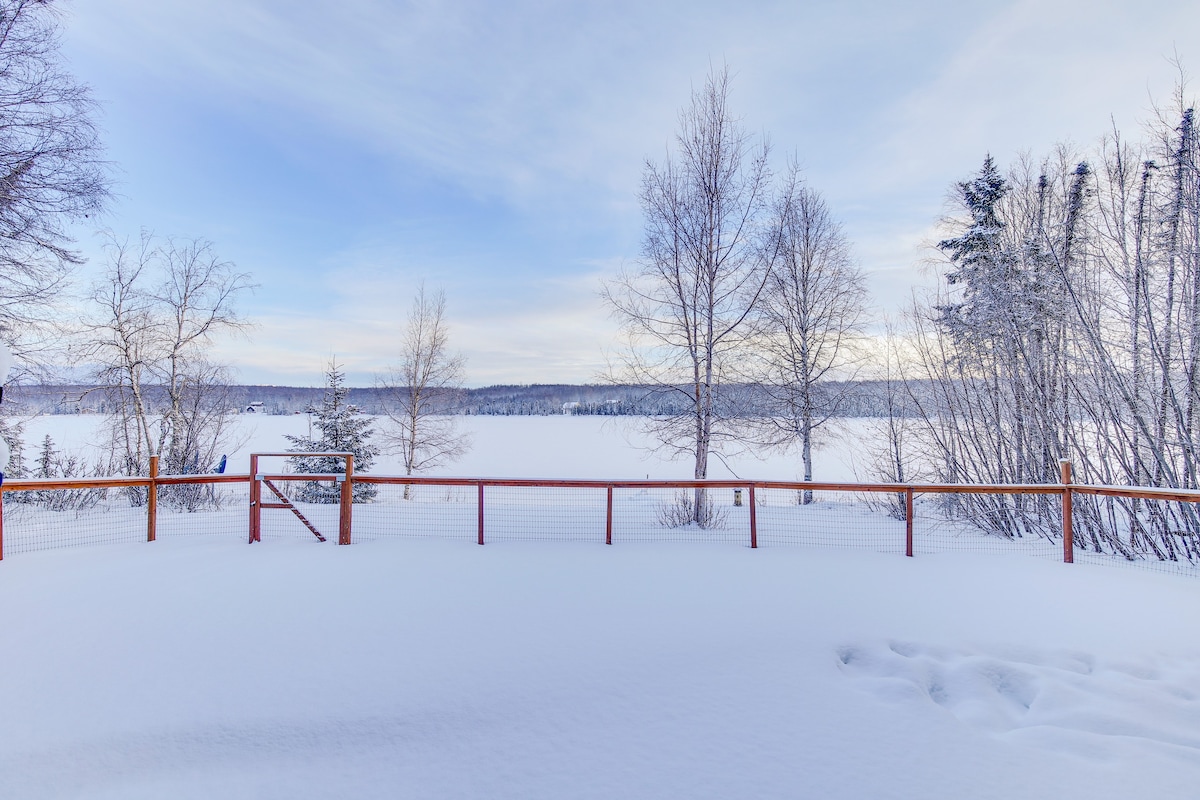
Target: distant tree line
point(863, 398)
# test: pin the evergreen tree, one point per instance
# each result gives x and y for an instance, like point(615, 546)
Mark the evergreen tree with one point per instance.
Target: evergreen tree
point(10, 433)
point(47, 458)
point(992, 285)
point(340, 427)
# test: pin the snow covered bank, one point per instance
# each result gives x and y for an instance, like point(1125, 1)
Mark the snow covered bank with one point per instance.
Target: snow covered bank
point(201, 668)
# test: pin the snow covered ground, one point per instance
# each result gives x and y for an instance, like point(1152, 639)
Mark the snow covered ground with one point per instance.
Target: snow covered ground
point(203, 668)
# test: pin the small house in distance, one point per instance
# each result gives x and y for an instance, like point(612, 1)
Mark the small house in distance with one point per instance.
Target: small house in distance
point(570, 408)
point(254, 408)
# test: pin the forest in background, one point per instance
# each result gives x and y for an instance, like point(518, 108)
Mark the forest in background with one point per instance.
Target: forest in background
point(865, 399)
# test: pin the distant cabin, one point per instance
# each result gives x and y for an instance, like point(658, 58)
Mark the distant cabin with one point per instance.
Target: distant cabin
point(254, 408)
point(569, 408)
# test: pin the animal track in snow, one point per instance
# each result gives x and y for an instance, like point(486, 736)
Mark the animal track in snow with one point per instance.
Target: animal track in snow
point(1046, 698)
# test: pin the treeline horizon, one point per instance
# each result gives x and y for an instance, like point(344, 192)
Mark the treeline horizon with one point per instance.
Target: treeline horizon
point(860, 398)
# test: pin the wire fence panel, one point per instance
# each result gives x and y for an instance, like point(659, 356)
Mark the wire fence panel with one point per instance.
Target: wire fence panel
point(51, 519)
point(418, 511)
point(978, 522)
point(286, 523)
point(658, 514)
point(829, 519)
point(1156, 535)
point(222, 512)
point(544, 513)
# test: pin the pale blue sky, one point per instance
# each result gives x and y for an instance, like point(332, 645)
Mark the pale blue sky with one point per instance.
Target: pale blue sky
point(342, 152)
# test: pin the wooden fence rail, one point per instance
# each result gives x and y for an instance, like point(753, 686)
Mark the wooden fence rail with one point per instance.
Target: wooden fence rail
point(348, 479)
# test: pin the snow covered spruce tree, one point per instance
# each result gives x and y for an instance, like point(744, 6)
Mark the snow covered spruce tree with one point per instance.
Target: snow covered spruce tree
point(340, 427)
point(686, 308)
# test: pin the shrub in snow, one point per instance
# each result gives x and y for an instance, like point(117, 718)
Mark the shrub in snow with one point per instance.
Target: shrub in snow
point(691, 507)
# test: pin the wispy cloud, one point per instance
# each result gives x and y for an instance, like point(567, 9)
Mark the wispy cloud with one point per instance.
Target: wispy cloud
point(494, 148)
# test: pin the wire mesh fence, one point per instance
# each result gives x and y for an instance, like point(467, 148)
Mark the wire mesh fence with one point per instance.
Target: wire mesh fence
point(544, 513)
point(51, 519)
point(680, 514)
point(1112, 525)
point(98, 512)
point(311, 520)
point(201, 510)
point(822, 518)
point(1160, 535)
point(983, 522)
point(419, 511)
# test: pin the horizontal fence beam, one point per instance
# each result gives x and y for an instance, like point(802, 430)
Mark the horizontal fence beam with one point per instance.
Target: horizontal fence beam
point(34, 484)
point(301, 476)
point(180, 480)
point(581, 483)
point(1138, 492)
point(117, 482)
point(334, 454)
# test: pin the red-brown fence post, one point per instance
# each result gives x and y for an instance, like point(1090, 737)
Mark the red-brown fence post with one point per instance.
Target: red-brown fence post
point(152, 501)
point(1068, 524)
point(255, 502)
point(908, 521)
point(608, 519)
point(481, 513)
point(753, 519)
point(347, 502)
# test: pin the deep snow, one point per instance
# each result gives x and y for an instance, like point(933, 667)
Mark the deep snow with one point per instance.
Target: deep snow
point(201, 668)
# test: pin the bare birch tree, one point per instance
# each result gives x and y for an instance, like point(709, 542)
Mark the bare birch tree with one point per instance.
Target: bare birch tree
point(51, 172)
point(423, 391)
point(686, 307)
point(812, 323)
point(154, 316)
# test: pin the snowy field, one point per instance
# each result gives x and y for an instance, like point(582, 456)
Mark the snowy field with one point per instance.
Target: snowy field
point(203, 668)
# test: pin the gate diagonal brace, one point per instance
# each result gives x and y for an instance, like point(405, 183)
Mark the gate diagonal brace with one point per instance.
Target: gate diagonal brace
point(285, 503)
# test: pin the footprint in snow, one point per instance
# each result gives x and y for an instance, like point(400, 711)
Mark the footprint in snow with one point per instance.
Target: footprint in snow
point(1045, 698)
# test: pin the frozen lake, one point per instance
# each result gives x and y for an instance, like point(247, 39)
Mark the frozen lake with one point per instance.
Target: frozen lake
point(520, 447)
